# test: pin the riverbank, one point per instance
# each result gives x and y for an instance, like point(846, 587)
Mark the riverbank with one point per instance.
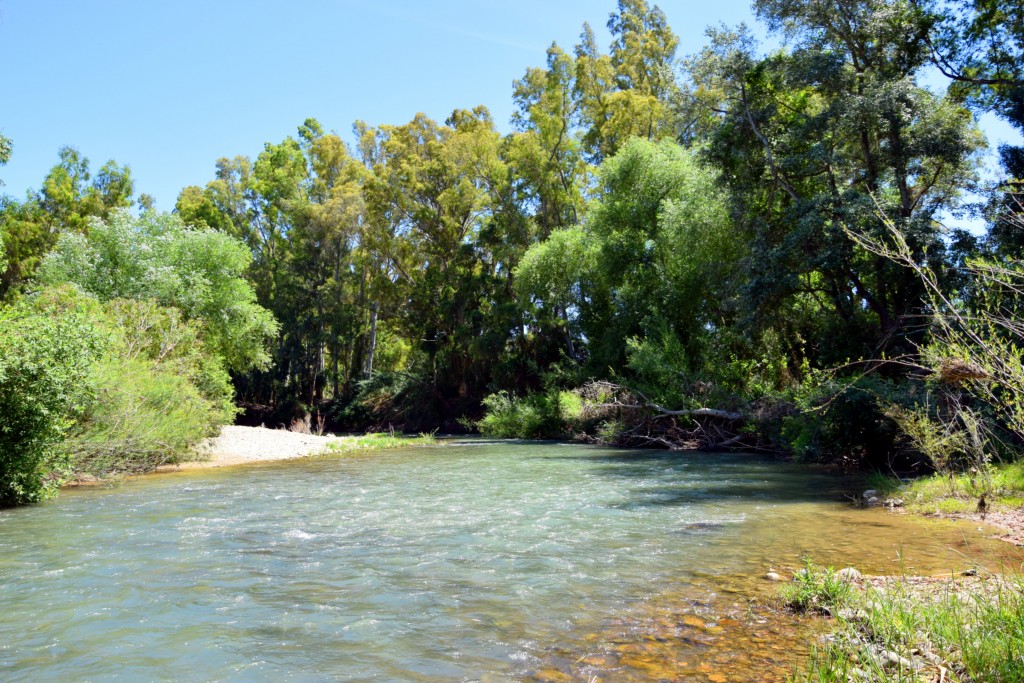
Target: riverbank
point(241, 445)
point(237, 445)
point(966, 627)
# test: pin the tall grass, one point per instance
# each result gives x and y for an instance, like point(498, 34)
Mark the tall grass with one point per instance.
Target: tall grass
point(143, 416)
point(1002, 485)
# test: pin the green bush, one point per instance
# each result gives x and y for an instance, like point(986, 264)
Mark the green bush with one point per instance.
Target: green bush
point(548, 415)
point(145, 329)
point(100, 389)
point(158, 392)
point(144, 415)
point(46, 349)
point(157, 257)
point(847, 422)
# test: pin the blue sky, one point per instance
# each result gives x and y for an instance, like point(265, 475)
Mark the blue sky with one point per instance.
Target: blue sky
point(169, 87)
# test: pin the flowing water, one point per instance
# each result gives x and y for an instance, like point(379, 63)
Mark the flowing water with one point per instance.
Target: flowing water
point(483, 561)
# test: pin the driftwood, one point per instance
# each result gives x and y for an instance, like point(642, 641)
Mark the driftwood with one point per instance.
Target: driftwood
point(643, 422)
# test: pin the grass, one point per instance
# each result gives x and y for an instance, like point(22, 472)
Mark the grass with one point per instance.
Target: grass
point(1002, 486)
point(378, 442)
point(817, 589)
point(952, 631)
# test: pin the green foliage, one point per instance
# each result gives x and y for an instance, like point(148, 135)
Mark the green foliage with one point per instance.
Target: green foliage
point(378, 441)
point(666, 250)
point(70, 198)
point(437, 262)
point(144, 415)
point(5, 151)
point(91, 389)
point(847, 421)
point(547, 415)
point(817, 589)
point(47, 347)
point(974, 631)
point(157, 257)
point(1002, 484)
point(161, 335)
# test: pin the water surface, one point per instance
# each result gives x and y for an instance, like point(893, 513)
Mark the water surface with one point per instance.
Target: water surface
point(486, 561)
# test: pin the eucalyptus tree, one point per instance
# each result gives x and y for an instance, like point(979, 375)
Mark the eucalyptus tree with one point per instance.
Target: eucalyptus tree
point(630, 91)
point(299, 208)
point(437, 203)
point(5, 152)
point(550, 177)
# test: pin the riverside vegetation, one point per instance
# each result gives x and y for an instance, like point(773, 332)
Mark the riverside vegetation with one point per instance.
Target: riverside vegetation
point(736, 249)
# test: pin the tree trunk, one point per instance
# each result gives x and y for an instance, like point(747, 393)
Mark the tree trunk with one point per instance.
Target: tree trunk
point(372, 346)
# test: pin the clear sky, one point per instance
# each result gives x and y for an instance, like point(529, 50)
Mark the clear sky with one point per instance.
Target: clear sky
point(169, 87)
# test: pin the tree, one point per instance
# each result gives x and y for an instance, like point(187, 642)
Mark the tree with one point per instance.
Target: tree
point(440, 215)
point(5, 152)
point(656, 256)
point(69, 199)
point(546, 157)
point(156, 256)
point(630, 91)
point(809, 140)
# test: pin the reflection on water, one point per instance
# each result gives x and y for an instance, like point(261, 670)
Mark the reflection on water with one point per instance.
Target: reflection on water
point(492, 561)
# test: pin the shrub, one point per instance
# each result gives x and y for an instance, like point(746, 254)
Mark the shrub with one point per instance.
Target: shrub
point(847, 422)
point(543, 415)
point(46, 349)
point(156, 256)
point(158, 392)
point(144, 415)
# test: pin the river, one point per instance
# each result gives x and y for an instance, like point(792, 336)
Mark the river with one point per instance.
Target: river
point(479, 561)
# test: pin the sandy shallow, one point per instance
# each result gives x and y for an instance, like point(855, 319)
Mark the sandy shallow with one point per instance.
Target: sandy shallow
point(241, 445)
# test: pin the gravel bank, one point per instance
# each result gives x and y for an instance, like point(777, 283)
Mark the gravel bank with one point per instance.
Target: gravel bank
point(240, 445)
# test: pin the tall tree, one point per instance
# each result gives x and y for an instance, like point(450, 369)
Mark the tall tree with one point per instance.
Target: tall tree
point(824, 138)
point(69, 199)
point(629, 92)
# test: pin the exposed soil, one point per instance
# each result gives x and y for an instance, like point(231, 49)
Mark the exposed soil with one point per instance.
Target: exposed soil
point(1010, 521)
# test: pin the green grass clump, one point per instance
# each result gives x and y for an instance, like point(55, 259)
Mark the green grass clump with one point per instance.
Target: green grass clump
point(957, 631)
point(378, 442)
point(817, 589)
point(546, 415)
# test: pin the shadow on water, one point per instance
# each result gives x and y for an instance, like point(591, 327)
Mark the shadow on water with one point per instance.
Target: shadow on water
point(673, 479)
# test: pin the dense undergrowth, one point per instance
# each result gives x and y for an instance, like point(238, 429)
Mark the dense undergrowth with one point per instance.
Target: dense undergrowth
point(120, 363)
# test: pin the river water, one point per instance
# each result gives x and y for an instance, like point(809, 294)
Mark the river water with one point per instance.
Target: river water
point(479, 561)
